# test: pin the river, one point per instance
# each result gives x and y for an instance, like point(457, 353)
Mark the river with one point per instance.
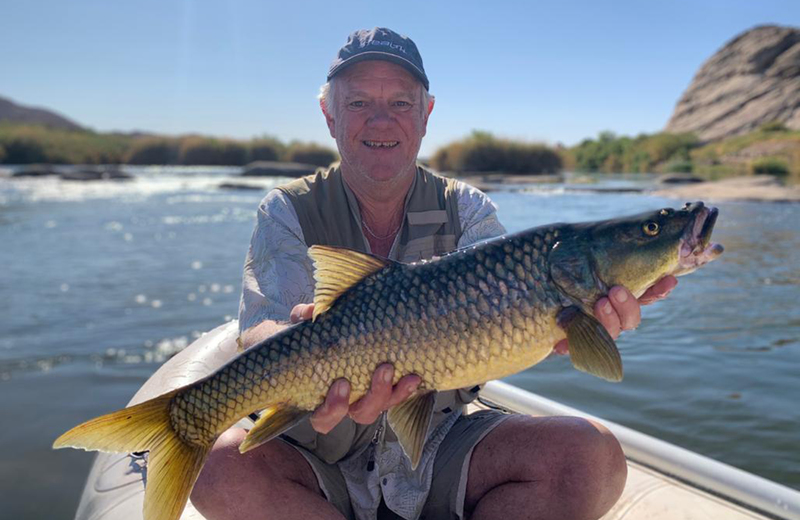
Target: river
point(102, 282)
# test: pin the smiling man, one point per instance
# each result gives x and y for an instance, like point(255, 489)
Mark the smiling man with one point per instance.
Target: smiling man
point(345, 462)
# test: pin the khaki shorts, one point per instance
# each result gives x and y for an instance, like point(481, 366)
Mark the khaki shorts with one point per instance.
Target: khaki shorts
point(450, 467)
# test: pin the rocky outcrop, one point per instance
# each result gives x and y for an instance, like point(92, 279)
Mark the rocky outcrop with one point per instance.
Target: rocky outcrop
point(10, 111)
point(754, 79)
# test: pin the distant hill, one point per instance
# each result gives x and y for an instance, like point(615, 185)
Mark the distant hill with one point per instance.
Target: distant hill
point(752, 80)
point(10, 111)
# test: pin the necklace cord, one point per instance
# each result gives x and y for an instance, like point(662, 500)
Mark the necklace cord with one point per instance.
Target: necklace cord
point(378, 237)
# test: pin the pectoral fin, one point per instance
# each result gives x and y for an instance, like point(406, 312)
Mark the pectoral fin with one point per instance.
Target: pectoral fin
point(591, 349)
point(273, 422)
point(410, 421)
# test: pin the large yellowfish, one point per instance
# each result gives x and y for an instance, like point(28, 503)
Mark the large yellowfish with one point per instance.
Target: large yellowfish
point(477, 314)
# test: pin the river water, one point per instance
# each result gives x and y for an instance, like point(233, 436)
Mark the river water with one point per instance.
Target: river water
point(102, 282)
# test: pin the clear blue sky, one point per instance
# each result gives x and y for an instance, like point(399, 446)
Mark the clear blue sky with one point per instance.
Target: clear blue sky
point(555, 71)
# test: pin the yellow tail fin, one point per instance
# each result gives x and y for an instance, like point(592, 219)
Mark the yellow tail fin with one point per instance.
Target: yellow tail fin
point(172, 466)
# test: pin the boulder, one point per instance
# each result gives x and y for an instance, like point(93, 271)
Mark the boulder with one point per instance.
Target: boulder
point(36, 170)
point(679, 178)
point(278, 169)
point(96, 174)
point(752, 80)
point(240, 186)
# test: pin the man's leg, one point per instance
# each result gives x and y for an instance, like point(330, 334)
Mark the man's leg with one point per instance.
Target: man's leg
point(271, 481)
point(545, 468)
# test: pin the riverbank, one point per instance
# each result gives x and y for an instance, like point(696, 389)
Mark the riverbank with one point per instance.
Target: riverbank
point(762, 188)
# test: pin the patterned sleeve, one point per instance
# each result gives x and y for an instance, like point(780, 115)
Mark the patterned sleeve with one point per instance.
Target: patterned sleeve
point(478, 216)
point(278, 273)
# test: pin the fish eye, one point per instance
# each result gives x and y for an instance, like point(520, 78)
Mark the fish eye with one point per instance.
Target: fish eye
point(651, 228)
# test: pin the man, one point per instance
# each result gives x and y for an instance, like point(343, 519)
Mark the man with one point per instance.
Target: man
point(345, 462)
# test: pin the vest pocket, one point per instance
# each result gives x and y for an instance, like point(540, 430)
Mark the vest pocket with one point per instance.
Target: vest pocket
point(427, 247)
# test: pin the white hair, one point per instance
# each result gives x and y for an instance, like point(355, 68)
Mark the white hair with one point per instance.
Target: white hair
point(327, 95)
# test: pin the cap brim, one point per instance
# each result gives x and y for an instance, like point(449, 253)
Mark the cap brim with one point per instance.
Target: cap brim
point(378, 55)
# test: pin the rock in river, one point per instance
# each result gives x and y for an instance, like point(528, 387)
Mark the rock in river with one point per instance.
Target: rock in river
point(278, 169)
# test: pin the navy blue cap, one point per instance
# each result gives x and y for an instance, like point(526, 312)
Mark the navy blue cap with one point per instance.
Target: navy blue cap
point(380, 43)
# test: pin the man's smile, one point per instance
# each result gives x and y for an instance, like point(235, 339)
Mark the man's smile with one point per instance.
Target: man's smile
point(380, 144)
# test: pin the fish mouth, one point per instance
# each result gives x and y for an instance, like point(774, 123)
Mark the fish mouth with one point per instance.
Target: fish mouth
point(696, 248)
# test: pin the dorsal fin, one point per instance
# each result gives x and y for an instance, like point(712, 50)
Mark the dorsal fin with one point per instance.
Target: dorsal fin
point(336, 269)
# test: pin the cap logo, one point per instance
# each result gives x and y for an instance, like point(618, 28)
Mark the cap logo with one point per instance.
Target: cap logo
point(385, 43)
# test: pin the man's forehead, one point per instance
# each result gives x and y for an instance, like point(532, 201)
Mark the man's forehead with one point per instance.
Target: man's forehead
point(373, 73)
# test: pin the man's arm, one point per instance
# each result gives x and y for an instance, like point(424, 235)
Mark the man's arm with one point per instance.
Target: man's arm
point(277, 273)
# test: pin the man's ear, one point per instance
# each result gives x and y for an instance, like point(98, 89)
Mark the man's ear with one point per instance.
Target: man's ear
point(427, 115)
point(328, 118)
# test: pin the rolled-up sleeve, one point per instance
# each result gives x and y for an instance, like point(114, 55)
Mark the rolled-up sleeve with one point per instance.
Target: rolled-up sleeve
point(278, 274)
point(478, 216)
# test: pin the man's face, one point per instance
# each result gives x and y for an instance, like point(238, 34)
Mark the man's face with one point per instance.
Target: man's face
point(378, 121)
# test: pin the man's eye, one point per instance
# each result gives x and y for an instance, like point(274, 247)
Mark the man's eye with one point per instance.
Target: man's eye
point(402, 104)
point(357, 104)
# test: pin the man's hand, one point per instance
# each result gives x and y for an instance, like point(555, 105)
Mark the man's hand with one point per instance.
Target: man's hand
point(621, 311)
point(381, 396)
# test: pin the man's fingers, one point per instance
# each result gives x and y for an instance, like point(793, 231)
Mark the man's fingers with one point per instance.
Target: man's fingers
point(301, 312)
point(659, 290)
point(608, 317)
point(562, 347)
point(627, 307)
point(334, 409)
point(403, 389)
point(367, 409)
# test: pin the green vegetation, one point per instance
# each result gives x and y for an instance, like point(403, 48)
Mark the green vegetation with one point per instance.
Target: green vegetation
point(772, 148)
point(482, 152)
point(35, 144)
point(26, 144)
point(645, 153)
point(770, 165)
point(773, 126)
point(310, 153)
point(743, 154)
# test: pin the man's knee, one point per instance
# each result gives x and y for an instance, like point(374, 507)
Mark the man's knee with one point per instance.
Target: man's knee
point(227, 474)
point(594, 466)
point(569, 460)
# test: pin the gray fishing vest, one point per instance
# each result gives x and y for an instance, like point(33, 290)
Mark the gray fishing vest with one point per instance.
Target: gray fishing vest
point(328, 214)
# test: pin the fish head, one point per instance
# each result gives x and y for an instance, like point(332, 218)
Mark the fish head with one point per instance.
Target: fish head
point(634, 252)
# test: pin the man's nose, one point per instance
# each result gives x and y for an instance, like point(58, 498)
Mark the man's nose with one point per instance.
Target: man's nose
point(381, 115)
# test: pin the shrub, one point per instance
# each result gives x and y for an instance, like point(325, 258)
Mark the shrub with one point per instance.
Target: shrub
point(662, 147)
point(22, 150)
point(770, 165)
point(265, 149)
point(2, 154)
point(482, 152)
point(773, 126)
point(310, 153)
point(153, 151)
point(208, 151)
point(679, 166)
point(609, 153)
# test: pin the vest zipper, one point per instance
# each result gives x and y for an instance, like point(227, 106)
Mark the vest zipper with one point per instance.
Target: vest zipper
point(376, 439)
